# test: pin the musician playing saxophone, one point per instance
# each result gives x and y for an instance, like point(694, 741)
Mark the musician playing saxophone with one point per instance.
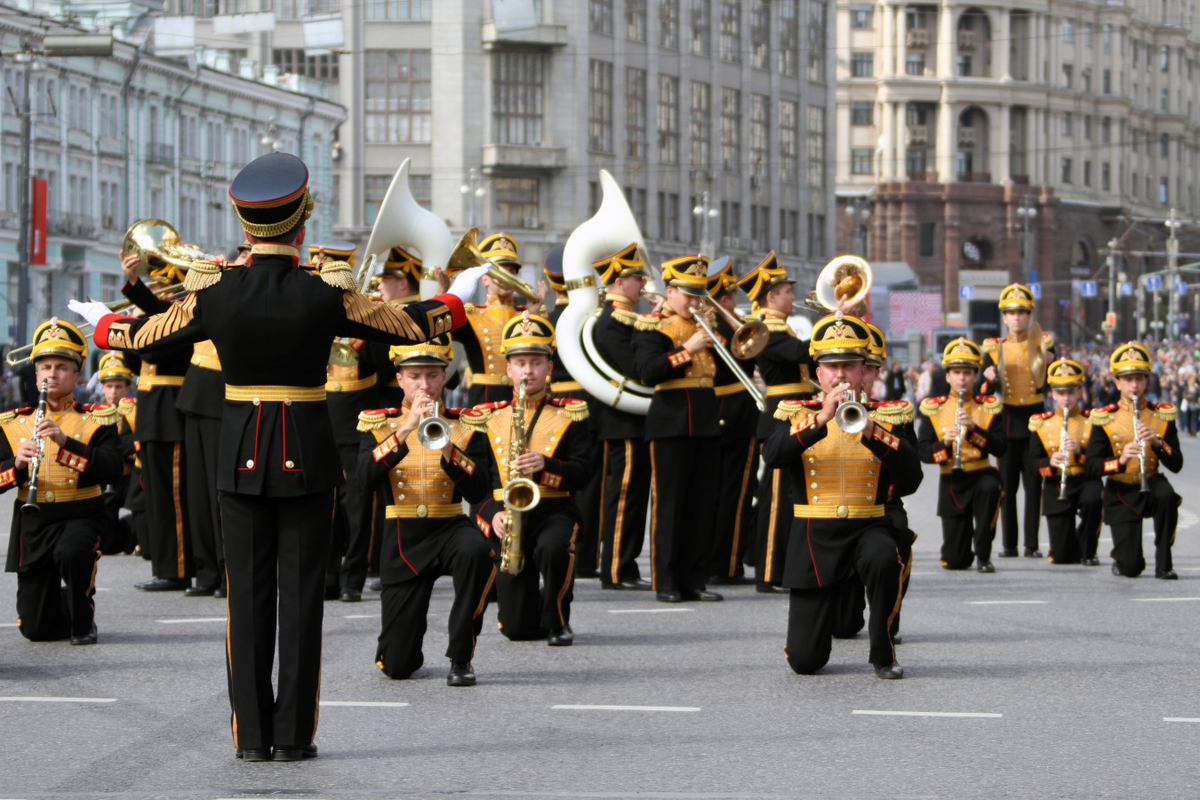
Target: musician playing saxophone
point(1125, 444)
point(1073, 521)
point(959, 429)
point(536, 602)
point(60, 542)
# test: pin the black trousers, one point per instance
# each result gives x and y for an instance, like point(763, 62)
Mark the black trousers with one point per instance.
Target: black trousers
point(135, 502)
point(463, 554)
point(1163, 507)
point(738, 464)
point(1074, 533)
point(275, 553)
point(814, 615)
point(527, 610)
point(164, 481)
point(626, 493)
point(48, 610)
point(975, 527)
point(684, 498)
point(773, 522)
point(588, 499)
point(1016, 467)
point(348, 526)
point(200, 438)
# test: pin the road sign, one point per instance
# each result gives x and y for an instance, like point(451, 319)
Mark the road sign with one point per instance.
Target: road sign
point(1036, 289)
point(1181, 287)
point(1033, 277)
point(1154, 282)
point(966, 292)
point(1126, 289)
point(1110, 320)
point(1087, 288)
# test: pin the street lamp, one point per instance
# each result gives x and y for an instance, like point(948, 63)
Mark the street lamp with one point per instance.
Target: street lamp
point(859, 212)
point(474, 188)
point(705, 212)
point(1027, 213)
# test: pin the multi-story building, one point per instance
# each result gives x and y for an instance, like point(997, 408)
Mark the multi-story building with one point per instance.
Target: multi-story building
point(714, 115)
point(136, 136)
point(1013, 141)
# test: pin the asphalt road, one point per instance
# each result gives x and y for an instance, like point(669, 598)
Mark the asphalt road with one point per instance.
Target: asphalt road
point(1038, 681)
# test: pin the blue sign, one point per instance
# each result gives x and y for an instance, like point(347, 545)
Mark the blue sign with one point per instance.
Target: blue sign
point(966, 292)
point(1036, 288)
point(1087, 288)
point(1033, 277)
point(1180, 287)
point(1154, 283)
point(1126, 289)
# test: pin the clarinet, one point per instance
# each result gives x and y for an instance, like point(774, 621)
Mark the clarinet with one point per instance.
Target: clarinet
point(958, 444)
point(1062, 439)
point(1137, 414)
point(35, 466)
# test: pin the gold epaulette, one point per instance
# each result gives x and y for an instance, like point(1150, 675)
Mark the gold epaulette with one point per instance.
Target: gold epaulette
point(339, 275)
point(1047, 342)
point(775, 325)
point(1038, 420)
point(930, 405)
point(625, 317)
point(126, 406)
point(471, 308)
point(894, 412)
point(104, 414)
point(371, 419)
point(1102, 416)
point(1166, 412)
point(9, 416)
point(575, 409)
point(648, 322)
point(477, 418)
point(201, 275)
point(989, 345)
point(991, 403)
point(787, 409)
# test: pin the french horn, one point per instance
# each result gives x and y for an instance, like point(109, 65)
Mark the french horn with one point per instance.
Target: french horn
point(156, 239)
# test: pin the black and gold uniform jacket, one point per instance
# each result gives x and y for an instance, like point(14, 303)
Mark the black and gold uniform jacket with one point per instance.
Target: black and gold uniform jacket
point(351, 388)
point(984, 440)
point(1021, 390)
point(480, 339)
point(426, 489)
point(161, 377)
point(1047, 430)
point(272, 325)
point(737, 415)
point(70, 481)
point(839, 484)
point(684, 403)
point(613, 336)
point(1112, 429)
point(390, 393)
point(785, 366)
point(554, 427)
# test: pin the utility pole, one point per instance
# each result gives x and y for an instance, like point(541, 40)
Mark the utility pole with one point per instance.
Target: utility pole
point(1171, 278)
point(1111, 263)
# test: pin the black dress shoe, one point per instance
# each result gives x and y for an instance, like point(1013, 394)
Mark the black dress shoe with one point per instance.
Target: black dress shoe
point(669, 597)
point(1167, 575)
point(164, 585)
point(701, 596)
point(769, 588)
point(295, 753)
point(87, 638)
point(1008, 552)
point(635, 585)
point(375, 585)
point(1091, 562)
point(254, 753)
point(461, 674)
point(351, 596)
point(889, 672)
point(1116, 569)
point(896, 639)
point(985, 566)
point(200, 591)
point(1034, 553)
point(561, 637)
point(723, 580)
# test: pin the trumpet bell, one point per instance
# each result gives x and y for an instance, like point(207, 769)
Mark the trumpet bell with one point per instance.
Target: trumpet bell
point(851, 417)
point(156, 239)
point(433, 433)
point(749, 339)
point(466, 254)
point(845, 281)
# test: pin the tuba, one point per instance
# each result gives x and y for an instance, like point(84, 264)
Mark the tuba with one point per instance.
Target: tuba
point(154, 238)
point(467, 254)
point(845, 281)
point(612, 228)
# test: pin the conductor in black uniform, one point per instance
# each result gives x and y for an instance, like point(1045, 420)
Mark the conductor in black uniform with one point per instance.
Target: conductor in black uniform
point(272, 324)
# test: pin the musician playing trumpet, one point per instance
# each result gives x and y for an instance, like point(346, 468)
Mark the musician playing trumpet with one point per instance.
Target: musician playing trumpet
point(59, 543)
point(1070, 499)
point(1131, 441)
point(427, 535)
point(958, 434)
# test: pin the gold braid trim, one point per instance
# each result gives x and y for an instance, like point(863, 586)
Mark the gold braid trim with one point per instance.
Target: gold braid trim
point(901, 413)
point(775, 325)
point(476, 418)
point(371, 420)
point(1036, 422)
point(1100, 416)
point(105, 414)
point(274, 229)
point(127, 406)
point(339, 275)
point(1166, 412)
point(929, 406)
point(647, 323)
point(788, 409)
point(989, 345)
point(575, 410)
point(201, 275)
point(7, 416)
point(625, 317)
point(992, 404)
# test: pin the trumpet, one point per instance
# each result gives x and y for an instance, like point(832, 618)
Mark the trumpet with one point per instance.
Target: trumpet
point(1137, 414)
point(851, 416)
point(958, 444)
point(433, 432)
point(35, 466)
point(1062, 441)
point(730, 360)
point(467, 254)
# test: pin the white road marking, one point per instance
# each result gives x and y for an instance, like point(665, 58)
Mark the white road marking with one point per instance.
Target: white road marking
point(970, 714)
point(1007, 602)
point(9, 624)
point(360, 616)
point(1181, 719)
point(192, 619)
point(58, 699)
point(361, 704)
point(650, 610)
point(624, 708)
point(1187, 519)
point(1164, 599)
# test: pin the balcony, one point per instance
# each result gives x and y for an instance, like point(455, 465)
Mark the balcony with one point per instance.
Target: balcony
point(966, 137)
point(159, 153)
point(967, 41)
point(76, 226)
point(916, 135)
point(917, 38)
point(522, 158)
point(974, 177)
point(545, 37)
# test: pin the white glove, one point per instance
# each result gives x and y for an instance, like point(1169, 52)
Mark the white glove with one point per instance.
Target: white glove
point(93, 311)
point(467, 282)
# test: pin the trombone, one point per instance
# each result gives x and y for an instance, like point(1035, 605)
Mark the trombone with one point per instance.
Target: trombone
point(466, 254)
point(730, 361)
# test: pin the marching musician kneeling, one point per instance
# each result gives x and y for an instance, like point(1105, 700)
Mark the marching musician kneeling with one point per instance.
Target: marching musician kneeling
point(426, 535)
point(539, 461)
point(840, 480)
point(56, 538)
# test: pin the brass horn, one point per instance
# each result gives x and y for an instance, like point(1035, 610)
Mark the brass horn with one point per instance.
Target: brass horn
point(156, 239)
point(467, 254)
point(843, 283)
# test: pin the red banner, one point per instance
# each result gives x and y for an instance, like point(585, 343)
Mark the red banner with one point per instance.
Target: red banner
point(37, 228)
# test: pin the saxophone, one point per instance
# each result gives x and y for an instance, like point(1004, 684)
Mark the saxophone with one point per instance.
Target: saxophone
point(520, 494)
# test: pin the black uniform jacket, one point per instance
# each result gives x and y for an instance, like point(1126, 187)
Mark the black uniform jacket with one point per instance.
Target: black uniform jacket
point(783, 362)
point(1047, 434)
point(345, 406)
point(985, 440)
point(866, 472)
point(89, 459)
point(272, 325)
point(557, 429)
point(161, 420)
point(1123, 499)
point(737, 415)
point(660, 357)
point(613, 335)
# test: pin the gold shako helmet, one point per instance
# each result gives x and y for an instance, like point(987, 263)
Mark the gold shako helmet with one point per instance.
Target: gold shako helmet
point(1130, 358)
point(688, 274)
point(624, 263)
point(839, 338)
point(1016, 297)
point(962, 352)
point(56, 337)
point(435, 352)
point(112, 367)
point(1065, 374)
point(758, 281)
point(527, 333)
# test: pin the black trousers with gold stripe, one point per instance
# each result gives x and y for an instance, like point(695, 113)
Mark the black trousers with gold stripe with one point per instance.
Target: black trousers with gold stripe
point(457, 549)
point(201, 435)
point(164, 479)
point(1075, 532)
point(626, 490)
point(527, 610)
point(1016, 467)
point(738, 464)
point(684, 506)
point(974, 529)
point(275, 552)
point(773, 521)
point(46, 609)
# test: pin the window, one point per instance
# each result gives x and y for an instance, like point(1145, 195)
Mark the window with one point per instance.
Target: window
point(1066, 170)
point(731, 139)
point(914, 64)
point(635, 112)
point(915, 160)
point(862, 113)
point(296, 9)
point(668, 24)
point(1066, 123)
point(635, 20)
point(516, 202)
point(1106, 81)
point(1164, 58)
point(964, 66)
point(731, 220)
point(788, 140)
point(297, 63)
point(1087, 127)
point(600, 16)
point(1164, 146)
point(760, 34)
point(1087, 34)
point(860, 161)
point(862, 65)
point(816, 147)
point(816, 236)
point(668, 119)
point(1068, 31)
point(1068, 72)
point(1087, 173)
point(197, 8)
point(789, 35)
point(816, 41)
point(1163, 101)
point(398, 104)
point(668, 216)
point(730, 41)
point(925, 239)
point(374, 189)
point(1106, 129)
point(637, 203)
point(862, 17)
point(403, 10)
point(760, 144)
point(1105, 177)
point(517, 98)
point(1163, 195)
point(1106, 37)
point(600, 106)
point(701, 27)
point(701, 124)
point(760, 226)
